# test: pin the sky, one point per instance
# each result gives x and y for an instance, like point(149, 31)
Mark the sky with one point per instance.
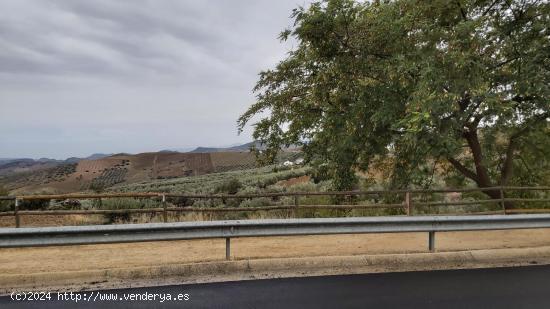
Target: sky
point(105, 76)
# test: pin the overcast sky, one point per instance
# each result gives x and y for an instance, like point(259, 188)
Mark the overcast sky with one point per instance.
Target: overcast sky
point(80, 77)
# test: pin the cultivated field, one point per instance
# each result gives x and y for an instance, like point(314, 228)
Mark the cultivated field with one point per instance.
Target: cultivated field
point(124, 169)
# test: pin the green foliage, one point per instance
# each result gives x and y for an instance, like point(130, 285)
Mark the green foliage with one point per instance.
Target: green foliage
point(97, 186)
point(464, 83)
point(34, 204)
point(5, 205)
point(231, 186)
point(251, 179)
point(256, 202)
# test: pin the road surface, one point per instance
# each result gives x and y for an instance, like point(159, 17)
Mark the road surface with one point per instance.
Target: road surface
point(520, 287)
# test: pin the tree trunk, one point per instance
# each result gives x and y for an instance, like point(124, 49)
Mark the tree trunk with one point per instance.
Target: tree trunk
point(481, 176)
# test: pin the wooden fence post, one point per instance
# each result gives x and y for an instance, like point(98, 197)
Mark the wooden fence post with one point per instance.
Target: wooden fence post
point(16, 213)
point(408, 203)
point(164, 212)
point(502, 203)
point(296, 203)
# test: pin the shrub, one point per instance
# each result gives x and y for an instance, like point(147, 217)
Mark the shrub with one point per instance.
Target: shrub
point(180, 201)
point(97, 186)
point(256, 202)
point(230, 186)
point(34, 204)
point(5, 205)
point(320, 173)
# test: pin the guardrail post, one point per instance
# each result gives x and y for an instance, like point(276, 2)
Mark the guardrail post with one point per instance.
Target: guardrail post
point(408, 203)
point(431, 241)
point(228, 248)
point(502, 203)
point(16, 213)
point(164, 213)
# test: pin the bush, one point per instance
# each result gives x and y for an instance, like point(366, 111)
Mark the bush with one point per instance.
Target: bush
point(320, 173)
point(231, 186)
point(97, 187)
point(256, 202)
point(180, 201)
point(5, 205)
point(34, 204)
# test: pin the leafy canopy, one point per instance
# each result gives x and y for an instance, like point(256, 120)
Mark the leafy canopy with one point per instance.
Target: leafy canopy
point(462, 82)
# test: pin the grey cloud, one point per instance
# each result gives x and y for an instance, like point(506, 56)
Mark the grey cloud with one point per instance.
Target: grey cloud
point(189, 63)
point(129, 36)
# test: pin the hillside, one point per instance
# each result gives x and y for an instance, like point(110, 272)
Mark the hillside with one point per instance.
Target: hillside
point(120, 169)
point(10, 166)
point(239, 148)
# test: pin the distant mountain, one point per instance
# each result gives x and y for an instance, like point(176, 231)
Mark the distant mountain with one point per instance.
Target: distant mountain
point(25, 165)
point(17, 165)
point(96, 156)
point(184, 149)
point(72, 160)
point(8, 160)
point(238, 148)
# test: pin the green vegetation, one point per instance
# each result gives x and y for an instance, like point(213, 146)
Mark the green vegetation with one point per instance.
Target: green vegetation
point(109, 177)
point(5, 205)
point(231, 186)
point(459, 88)
point(252, 180)
point(34, 204)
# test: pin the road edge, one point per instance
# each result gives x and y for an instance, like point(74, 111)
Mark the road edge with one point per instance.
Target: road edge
point(237, 270)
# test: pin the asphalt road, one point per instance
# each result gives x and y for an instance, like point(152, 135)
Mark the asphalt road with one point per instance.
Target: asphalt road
point(520, 287)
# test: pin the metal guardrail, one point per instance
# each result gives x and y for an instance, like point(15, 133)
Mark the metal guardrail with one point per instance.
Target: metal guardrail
point(81, 235)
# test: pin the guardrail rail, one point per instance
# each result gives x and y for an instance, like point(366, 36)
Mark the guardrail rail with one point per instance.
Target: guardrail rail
point(127, 233)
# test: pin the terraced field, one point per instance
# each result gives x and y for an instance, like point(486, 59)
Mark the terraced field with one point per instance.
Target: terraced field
point(126, 169)
point(255, 178)
point(231, 161)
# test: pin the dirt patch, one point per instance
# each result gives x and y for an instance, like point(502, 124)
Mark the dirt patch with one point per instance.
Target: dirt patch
point(89, 257)
point(49, 220)
point(293, 181)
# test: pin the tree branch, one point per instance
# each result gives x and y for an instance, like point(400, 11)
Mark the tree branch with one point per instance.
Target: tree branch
point(463, 169)
point(489, 8)
point(462, 12)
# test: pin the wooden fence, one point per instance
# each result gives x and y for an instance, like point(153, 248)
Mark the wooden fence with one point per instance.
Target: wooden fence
point(407, 202)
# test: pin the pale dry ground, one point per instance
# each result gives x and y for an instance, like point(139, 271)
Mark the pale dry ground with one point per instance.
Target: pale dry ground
point(49, 220)
point(93, 257)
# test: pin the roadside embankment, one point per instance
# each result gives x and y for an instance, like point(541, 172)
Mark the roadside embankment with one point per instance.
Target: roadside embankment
point(192, 261)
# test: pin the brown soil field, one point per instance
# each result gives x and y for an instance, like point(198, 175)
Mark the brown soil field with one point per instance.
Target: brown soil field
point(88, 257)
point(227, 161)
point(126, 169)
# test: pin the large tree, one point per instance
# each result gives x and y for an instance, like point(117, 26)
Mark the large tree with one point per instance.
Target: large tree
point(465, 82)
